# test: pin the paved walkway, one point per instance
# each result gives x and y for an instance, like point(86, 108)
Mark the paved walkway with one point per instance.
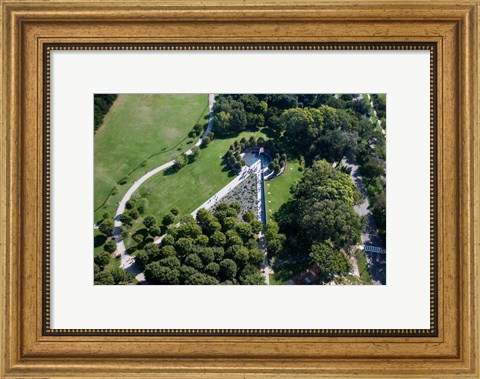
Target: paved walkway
point(244, 174)
point(126, 261)
point(376, 262)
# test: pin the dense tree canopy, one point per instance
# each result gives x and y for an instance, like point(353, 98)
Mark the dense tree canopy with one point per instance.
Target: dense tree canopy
point(200, 253)
point(319, 216)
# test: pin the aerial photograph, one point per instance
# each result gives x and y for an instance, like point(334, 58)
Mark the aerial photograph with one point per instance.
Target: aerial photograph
point(239, 189)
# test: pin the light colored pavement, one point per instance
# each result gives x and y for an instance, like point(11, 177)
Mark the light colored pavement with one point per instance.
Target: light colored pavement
point(126, 261)
point(245, 173)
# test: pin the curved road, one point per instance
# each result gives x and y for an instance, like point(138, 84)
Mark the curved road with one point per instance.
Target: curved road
point(127, 262)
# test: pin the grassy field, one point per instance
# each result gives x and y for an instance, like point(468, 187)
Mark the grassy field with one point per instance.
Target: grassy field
point(141, 132)
point(278, 189)
point(193, 184)
point(363, 266)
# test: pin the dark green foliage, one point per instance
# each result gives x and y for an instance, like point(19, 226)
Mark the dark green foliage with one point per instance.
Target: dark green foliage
point(149, 221)
point(195, 154)
point(101, 105)
point(180, 162)
point(168, 219)
point(218, 238)
point(202, 240)
point(104, 278)
point(212, 269)
point(228, 269)
point(141, 259)
point(201, 279)
point(126, 219)
point(133, 213)
point(131, 204)
point(110, 246)
point(206, 141)
point(153, 251)
point(329, 261)
point(106, 227)
point(184, 246)
point(159, 274)
point(168, 240)
point(120, 276)
point(101, 258)
point(321, 209)
point(249, 216)
point(256, 257)
point(194, 261)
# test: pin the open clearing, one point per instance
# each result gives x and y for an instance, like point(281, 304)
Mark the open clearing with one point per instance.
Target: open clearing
point(193, 184)
point(139, 133)
point(277, 191)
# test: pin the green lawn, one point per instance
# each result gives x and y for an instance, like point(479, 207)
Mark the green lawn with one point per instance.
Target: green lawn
point(195, 183)
point(141, 132)
point(277, 191)
point(363, 266)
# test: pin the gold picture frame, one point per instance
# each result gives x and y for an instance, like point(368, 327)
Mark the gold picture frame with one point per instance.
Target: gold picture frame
point(31, 29)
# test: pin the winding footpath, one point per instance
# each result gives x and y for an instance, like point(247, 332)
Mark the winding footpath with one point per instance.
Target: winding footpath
point(126, 261)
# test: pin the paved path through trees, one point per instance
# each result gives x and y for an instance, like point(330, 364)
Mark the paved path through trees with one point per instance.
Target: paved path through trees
point(376, 262)
point(126, 261)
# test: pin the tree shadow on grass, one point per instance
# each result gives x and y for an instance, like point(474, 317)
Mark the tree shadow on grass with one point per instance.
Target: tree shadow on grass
point(170, 171)
point(99, 240)
point(269, 132)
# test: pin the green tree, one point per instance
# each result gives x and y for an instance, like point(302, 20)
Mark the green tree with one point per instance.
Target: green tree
point(212, 269)
point(106, 227)
point(167, 251)
point(153, 251)
point(329, 261)
point(228, 269)
point(121, 277)
point(257, 226)
point(249, 216)
point(244, 230)
point(194, 261)
point(104, 278)
point(218, 239)
point(131, 204)
point(168, 240)
point(206, 141)
point(189, 230)
point(126, 219)
point(203, 215)
point(180, 162)
point(256, 257)
point(201, 279)
point(110, 246)
point(184, 246)
point(202, 240)
point(149, 221)
point(142, 259)
point(101, 258)
point(229, 223)
point(168, 219)
point(133, 213)
point(161, 275)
